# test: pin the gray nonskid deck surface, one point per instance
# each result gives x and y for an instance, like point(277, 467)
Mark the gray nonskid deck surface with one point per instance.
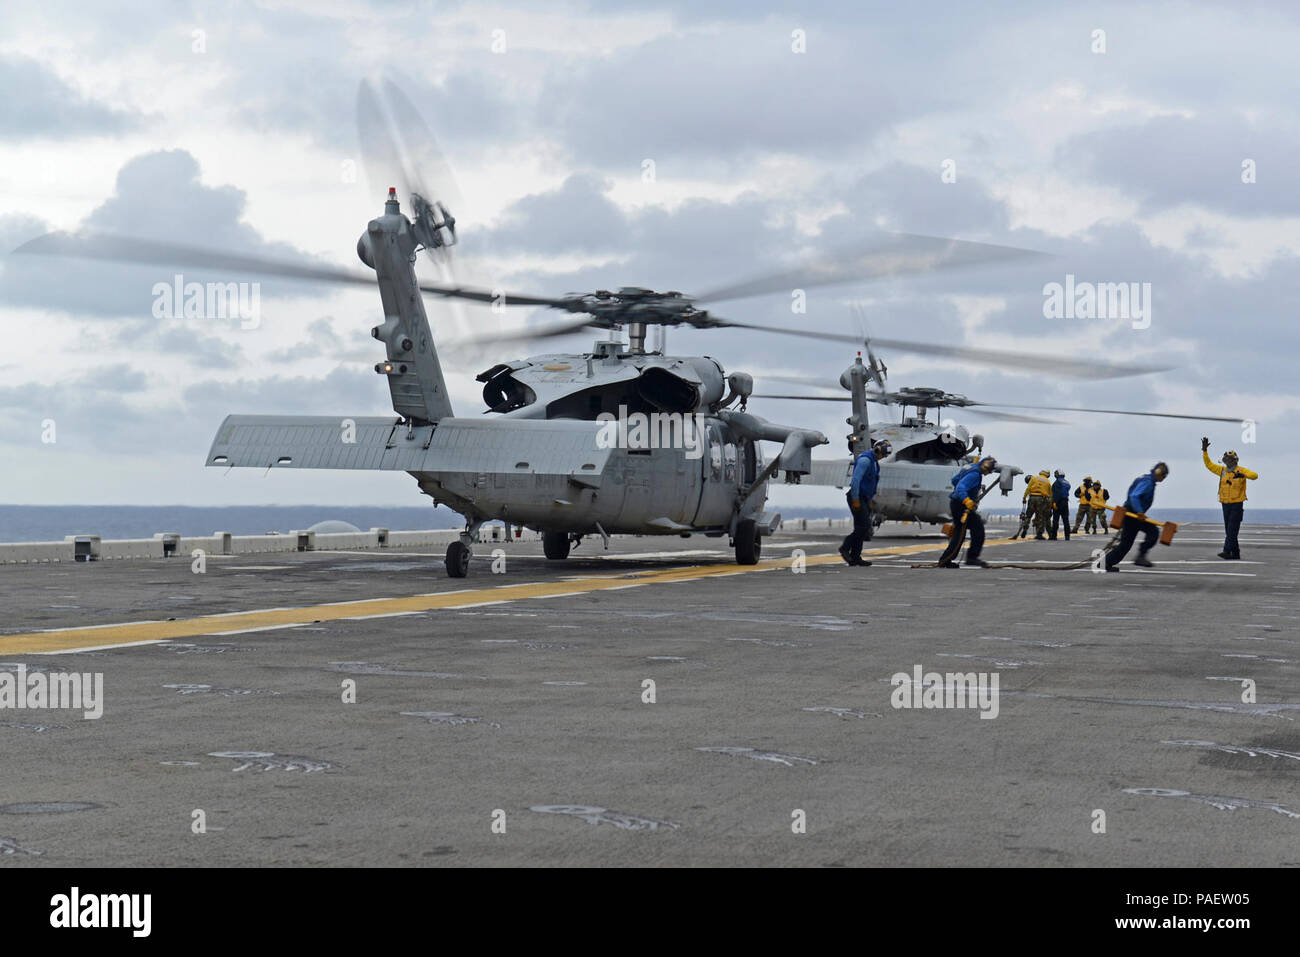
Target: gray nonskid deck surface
point(1120, 694)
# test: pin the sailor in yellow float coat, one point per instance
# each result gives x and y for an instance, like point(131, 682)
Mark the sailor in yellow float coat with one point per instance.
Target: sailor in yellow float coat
point(1084, 494)
point(1039, 496)
point(1232, 496)
point(1099, 513)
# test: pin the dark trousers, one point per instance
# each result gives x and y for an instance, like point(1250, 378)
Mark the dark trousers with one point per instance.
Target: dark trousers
point(861, 526)
point(975, 524)
point(1127, 534)
point(1232, 514)
point(1061, 513)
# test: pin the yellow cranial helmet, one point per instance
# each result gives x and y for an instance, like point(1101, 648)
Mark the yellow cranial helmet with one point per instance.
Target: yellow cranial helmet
point(1043, 473)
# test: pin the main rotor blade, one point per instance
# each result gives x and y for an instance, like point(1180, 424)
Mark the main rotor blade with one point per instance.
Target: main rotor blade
point(1013, 417)
point(880, 400)
point(903, 254)
point(982, 408)
point(545, 330)
point(107, 247)
point(1158, 415)
point(874, 397)
point(1002, 358)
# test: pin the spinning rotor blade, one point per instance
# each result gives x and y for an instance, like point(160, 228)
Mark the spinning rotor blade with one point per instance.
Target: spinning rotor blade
point(1158, 415)
point(984, 408)
point(881, 399)
point(107, 247)
point(380, 155)
point(429, 170)
point(1013, 417)
point(546, 330)
point(875, 397)
point(1002, 358)
point(903, 254)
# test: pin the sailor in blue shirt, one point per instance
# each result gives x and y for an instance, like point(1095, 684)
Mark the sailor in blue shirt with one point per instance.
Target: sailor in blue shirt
point(964, 501)
point(862, 489)
point(1140, 496)
point(1060, 505)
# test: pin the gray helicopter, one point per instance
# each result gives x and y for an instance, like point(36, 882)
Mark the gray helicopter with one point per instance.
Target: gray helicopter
point(617, 440)
point(916, 478)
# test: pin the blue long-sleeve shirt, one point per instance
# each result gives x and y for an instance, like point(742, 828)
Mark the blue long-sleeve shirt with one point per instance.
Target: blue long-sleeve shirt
point(866, 477)
point(966, 483)
point(1061, 490)
point(1141, 493)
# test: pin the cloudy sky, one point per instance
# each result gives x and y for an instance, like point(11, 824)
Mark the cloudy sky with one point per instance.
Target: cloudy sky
point(234, 126)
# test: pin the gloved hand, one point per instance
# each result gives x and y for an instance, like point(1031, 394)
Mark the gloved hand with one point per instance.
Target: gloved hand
point(1205, 444)
point(969, 503)
point(1237, 474)
point(855, 505)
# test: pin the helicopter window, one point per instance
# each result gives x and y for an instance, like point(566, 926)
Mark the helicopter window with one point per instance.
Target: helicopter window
point(730, 452)
point(521, 465)
point(715, 455)
point(588, 465)
point(751, 462)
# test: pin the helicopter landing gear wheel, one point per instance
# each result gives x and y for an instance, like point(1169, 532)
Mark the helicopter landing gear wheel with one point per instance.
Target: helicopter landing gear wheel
point(555, 545)
point(458, 555)
point(748, 543)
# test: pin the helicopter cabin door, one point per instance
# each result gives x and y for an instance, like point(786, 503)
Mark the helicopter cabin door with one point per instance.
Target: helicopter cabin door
point(719, 478)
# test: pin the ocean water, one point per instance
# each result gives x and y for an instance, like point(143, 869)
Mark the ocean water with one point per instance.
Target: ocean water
point(44, 523)
point(50, 523)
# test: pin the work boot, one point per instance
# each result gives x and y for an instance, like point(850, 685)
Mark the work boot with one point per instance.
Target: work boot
point(1111, 568)
point(977, 562)
point(862, 564)
point(1225, 556)
point(1143, 560)
point(1038, 537)
point(844, 554)
point(949, 564)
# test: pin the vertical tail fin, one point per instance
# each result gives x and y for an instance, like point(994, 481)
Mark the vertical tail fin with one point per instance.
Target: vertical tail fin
point(414, 374)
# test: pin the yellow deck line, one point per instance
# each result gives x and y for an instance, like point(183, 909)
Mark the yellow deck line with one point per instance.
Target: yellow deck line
point(139, 632)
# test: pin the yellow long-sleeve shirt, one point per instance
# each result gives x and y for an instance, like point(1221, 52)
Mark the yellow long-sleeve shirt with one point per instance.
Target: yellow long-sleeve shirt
point(1231, 488)
point(1037, 486)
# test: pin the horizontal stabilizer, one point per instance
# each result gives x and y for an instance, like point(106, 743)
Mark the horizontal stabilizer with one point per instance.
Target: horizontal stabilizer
point(479, 446)
point(832, 472)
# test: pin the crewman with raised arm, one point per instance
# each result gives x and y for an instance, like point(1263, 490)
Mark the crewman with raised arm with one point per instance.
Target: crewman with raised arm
point(1232, 496)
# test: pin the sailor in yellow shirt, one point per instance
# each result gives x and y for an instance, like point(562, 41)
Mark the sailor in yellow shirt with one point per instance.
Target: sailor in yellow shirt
point(1099, 513)
point(1232, 496)
point(1084, 494)
point(1039, 496)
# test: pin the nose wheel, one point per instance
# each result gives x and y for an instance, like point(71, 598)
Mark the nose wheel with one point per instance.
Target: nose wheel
point(458, 555)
